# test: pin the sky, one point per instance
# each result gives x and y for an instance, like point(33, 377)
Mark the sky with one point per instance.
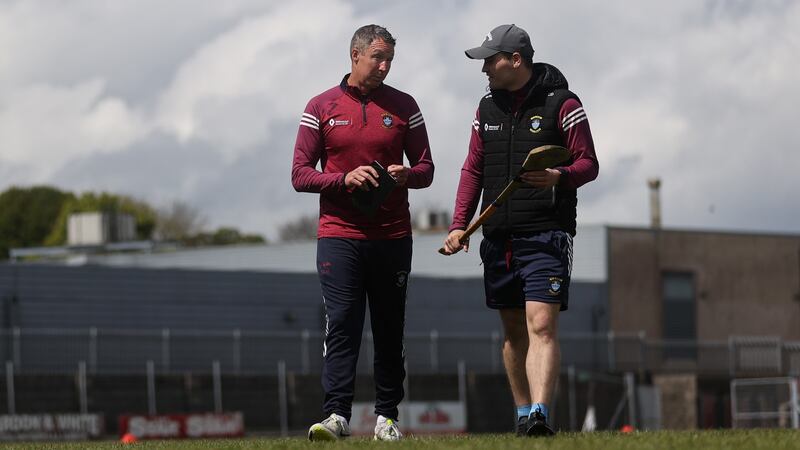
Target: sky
point(199, 102)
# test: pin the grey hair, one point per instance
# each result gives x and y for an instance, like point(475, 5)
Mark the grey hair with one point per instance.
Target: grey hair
point(364, 36)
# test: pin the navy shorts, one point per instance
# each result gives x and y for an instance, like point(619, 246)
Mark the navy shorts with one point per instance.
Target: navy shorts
point(530, 267)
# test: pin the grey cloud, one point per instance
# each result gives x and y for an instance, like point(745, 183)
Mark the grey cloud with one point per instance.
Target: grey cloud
point(700, 94)
point(243, 193)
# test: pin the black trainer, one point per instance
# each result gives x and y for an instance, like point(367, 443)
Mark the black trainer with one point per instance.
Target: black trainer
point(522, 426)
point(537, 425)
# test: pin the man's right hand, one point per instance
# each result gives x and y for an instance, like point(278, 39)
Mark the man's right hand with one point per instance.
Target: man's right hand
point(452, 244)
point(362, 177)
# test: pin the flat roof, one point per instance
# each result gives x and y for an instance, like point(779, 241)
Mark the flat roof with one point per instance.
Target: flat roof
point(589, 257)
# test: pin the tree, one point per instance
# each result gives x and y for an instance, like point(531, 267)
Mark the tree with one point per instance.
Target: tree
point(302, 228)
point(28, 215)
point(228, 236)
point(179, 222)
point(38, 216)
point(223, 236)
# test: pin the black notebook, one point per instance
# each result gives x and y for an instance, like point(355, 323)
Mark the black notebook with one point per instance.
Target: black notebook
point(369, 201)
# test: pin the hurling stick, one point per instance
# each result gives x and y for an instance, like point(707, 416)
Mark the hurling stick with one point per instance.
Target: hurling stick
point(540, 158)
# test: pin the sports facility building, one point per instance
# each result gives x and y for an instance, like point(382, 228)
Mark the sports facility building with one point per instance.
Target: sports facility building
point(683, 310)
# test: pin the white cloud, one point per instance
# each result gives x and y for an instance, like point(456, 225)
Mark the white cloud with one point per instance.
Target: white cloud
point(175, 99)
point(48, 125)
point(229, 90)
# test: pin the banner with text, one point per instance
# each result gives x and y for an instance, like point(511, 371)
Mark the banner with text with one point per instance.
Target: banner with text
point(35, 427)
point(416, 417)
point(173, 426)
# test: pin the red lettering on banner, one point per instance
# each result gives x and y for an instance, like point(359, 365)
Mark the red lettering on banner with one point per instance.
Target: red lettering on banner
point(208, 425)
point(434, 416)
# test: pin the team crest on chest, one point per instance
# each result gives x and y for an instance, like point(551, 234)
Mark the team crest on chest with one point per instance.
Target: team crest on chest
point(535, 124)
point(387, 120)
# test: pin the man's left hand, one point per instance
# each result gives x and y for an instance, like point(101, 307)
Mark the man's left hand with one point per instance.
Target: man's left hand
point(400, 173)
point(541, 178)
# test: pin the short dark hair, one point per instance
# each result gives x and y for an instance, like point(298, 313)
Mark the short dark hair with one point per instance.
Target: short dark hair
point(364, 36)
point(527, 61)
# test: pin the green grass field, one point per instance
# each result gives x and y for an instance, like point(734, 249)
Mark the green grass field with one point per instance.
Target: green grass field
point(662, 440)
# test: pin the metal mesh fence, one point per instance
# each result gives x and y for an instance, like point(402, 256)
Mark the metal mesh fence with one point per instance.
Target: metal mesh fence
point(49, 351)
point(756, 355)
point(765, 403)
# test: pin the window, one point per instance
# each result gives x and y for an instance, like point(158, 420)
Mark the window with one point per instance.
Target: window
point(679, 319)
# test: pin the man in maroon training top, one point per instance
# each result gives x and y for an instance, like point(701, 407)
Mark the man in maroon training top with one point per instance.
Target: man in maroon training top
point(527, 245)
point(362, 258)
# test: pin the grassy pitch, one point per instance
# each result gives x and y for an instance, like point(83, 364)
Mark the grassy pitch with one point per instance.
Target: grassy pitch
point(662, 440)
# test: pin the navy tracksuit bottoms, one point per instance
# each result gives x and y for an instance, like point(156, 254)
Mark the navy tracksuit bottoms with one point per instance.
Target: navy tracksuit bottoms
point(353, 274)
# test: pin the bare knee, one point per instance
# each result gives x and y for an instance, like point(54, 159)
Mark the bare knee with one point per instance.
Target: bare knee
point(515, 330)
point(542, 323)
point(544, 333)
point(518, 337)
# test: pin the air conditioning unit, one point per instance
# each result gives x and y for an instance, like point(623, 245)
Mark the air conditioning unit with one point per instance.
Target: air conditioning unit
point(98, 228)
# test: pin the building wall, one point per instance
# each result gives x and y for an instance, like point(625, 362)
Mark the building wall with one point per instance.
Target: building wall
point(37, 296)
point(40, 296)
point(746, 284)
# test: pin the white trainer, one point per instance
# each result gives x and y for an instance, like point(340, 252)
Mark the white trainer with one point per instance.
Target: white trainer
point(386, 430)
point(333, 428)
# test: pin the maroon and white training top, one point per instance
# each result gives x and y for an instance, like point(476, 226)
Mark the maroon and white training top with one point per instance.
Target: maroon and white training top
point(343, 130)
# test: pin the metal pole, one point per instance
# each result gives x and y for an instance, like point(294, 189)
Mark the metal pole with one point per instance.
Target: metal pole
point(93, 349)
point(495, 351)
point(237, 351)
point(216, 374)
point(434, 351)
point(630, 385)
point(16, 346)
point(617, 412)
point(642, 352)
point(573, 418)
point(611, 356)
point(734, 406)
point(795, 403)
point(82, 394)
point(151, 387)
point(590, 390)
point(305, 352)
point(12, 403)
point(282, 398)
point(165, 356)
point(462, 385)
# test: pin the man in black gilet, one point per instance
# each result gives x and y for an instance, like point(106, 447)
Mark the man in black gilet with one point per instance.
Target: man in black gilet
point(527, 245)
